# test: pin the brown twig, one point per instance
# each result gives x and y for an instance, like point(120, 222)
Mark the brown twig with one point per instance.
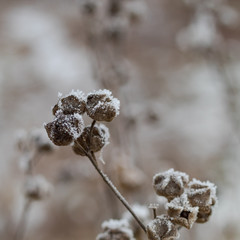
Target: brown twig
point(105, 178)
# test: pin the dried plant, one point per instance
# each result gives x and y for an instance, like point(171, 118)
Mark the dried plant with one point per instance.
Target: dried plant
point(188, 201)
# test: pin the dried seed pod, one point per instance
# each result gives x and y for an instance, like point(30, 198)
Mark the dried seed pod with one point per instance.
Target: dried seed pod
point(204, 214)
point(116, 230)
point(37, 188)
point(201, 193)
point(74, 102)
point(98, 139)
point(102, 106)
point(170, 184)
point(181, 212)
point(64, 128)
point(161, 228)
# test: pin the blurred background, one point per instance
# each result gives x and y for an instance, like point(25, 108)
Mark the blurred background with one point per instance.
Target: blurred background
point(175, 67)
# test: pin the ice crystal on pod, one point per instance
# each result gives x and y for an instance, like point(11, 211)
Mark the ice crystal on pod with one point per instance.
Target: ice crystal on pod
point(170, 184)
point(181, 212)
point(116, 230)
point(161, 228)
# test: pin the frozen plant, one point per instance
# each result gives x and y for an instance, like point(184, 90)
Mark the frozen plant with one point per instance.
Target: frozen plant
point(187, 201)
point(68, 128)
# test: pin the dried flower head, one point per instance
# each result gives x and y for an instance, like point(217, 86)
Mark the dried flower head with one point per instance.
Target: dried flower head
point(74, 102)
point(116, 230)
point(64, 128)
point(203, 195)
point(37, 188)
point(181, 212)
point(102, 106)
point(170, 184)
point(161, 228)
point(91, 141)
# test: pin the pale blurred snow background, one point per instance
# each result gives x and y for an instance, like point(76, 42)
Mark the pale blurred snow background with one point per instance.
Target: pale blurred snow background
point(183, 98)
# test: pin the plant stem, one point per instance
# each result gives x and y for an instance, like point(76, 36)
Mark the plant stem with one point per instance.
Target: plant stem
point(115, 191)
point(105, 178)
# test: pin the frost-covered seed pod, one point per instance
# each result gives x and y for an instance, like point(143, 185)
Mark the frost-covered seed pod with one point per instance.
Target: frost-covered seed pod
point(170, 184)
point(201, 193)
point(116, 230)
point(37, 188)
point(204, 214)
point(181, 212)
point(161, 228)
point(102, 106)
point(74, 102)
point(64, 128)
point(95, 143)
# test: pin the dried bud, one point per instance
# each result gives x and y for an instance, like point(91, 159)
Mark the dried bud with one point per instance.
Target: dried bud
point(161, 228)
point(204, 214)
point(170, 184)
point(74, 102)
point(203, 195)
point(64, 128)
point(102, 106)
point(98, 139)
point(37, 188)
point(181, 212)
point(116, 230)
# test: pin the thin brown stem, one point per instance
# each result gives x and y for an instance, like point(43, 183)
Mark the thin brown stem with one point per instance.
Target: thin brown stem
point(105, 178)
point(116, 192)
